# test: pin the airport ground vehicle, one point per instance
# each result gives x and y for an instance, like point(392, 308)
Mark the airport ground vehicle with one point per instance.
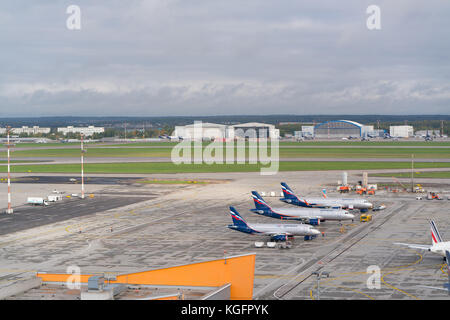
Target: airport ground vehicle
point(37, 201)
point(434, 196)
point(365, 218)
point(54, 198)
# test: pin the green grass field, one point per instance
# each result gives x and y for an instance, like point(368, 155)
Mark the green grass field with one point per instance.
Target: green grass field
point(283, 143)
point(417, 174)
point(287, 152)
point(168, 167)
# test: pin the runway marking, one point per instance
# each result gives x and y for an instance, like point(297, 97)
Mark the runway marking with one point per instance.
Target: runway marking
point(343, 275)
point(399, 269)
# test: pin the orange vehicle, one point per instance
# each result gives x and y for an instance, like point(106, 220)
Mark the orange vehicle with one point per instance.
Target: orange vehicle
point(371, 191)
point(361, 191)
point(344, 189)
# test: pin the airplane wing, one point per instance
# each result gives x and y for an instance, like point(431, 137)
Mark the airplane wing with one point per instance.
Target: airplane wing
point(435, 288)
point(274, 234)
point(415, 246)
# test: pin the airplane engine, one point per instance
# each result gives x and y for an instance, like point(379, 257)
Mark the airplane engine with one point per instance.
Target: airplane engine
point(314, 222)
point(280, 237)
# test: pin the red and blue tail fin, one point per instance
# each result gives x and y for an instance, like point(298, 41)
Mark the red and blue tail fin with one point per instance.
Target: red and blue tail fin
point(290, 197)
point(237, 219)
point(260, 204)
point(287, 192)
point(435, 236)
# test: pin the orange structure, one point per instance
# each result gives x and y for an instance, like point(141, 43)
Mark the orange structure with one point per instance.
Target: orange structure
point(238, 271)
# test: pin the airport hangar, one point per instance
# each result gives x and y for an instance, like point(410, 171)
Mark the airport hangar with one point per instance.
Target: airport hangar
point(214, 131)
point(339, 129)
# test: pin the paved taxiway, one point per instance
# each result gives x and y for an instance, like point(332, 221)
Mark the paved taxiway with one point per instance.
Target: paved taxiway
point(180, 224)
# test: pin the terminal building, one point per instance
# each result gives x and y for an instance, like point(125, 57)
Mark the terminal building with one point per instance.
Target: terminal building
point(86, 131)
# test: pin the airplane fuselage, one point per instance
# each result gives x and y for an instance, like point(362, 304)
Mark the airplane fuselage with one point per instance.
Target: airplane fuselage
point(440, 248)
point(332, 202)
point(269, 228)
point(305, 213)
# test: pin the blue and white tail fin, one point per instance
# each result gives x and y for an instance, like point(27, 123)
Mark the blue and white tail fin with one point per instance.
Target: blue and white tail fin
point(237, 219)
point(435, 236)
point(289, 196)
point(287, 192)
point(260, 204)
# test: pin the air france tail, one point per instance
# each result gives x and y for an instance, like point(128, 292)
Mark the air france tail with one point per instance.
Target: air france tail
point(435, 236)
point(260, 204)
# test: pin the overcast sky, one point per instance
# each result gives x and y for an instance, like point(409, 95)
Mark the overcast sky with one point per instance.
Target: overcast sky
point(211, 57)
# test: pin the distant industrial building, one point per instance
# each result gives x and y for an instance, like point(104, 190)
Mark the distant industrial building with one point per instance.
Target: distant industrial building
point(342, 129)
point(422, 133)
point(27, 130)
point(212, 131)
point(30, 130)
point(86, 131)
point(253, 130)
point(401, 131)
point(201, 130)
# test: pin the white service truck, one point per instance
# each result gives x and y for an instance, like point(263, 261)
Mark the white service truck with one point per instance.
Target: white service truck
point(37, 201)
point(54, 198)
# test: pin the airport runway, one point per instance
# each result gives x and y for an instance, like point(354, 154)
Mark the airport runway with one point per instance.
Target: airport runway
point(69, 160)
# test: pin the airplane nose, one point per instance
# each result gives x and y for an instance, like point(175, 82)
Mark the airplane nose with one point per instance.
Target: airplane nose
point(315, 231)
point(369, 205)
point(351, 216)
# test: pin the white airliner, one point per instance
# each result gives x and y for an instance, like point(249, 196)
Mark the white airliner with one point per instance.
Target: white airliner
point(438, 246)
point(291, 198)
point(277, 232)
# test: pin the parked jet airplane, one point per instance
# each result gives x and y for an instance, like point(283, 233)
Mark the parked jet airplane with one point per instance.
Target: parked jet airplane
point(312, 216)
point(277, 232)
point(290, 197)
point(438, 246)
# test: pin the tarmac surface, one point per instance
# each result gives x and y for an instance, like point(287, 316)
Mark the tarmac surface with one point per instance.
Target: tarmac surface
point(169, 225)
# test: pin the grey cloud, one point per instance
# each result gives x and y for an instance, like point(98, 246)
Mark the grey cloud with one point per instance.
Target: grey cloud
point(224, 57)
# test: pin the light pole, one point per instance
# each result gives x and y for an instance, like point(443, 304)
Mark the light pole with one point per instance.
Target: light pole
point(82, 167)
point(412, 173)
point(320, 275)
point(8, 144)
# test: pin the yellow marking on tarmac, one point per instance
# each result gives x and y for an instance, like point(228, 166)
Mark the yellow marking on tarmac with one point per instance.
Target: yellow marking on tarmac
point(399, 269)
point(356, 291)
point(395, 269)
point(337, 286)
